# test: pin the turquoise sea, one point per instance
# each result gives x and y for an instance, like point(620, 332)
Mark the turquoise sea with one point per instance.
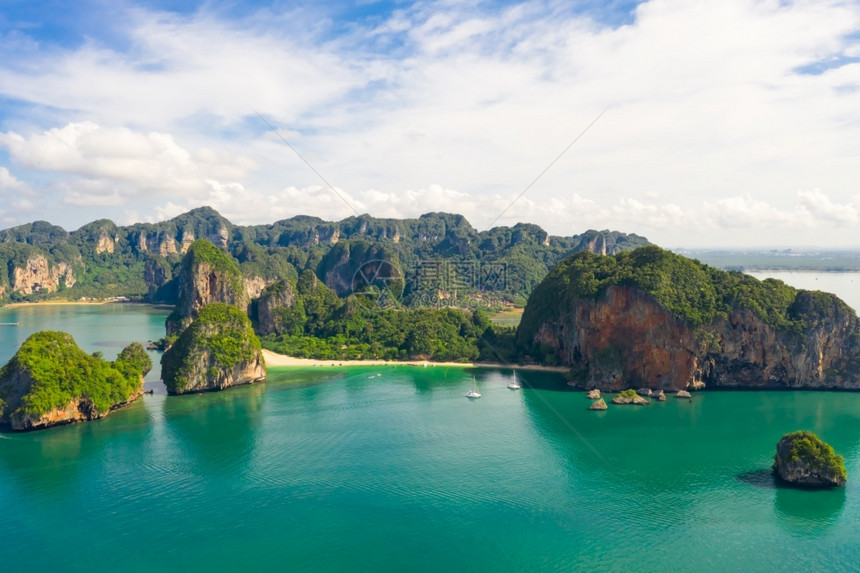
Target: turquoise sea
point(393, 469)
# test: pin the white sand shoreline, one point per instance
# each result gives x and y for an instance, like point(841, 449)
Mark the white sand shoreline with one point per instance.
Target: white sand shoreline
point(88, 302)
point(277, 360)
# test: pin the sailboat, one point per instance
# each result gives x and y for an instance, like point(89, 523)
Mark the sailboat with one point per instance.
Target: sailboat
point(514, 384)
point(474, 392)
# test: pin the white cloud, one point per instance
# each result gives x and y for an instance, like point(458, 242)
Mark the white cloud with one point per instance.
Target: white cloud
point(16, 198)
point(820, 206)
point(457, 106)
point(10, 184)
point(108, 164)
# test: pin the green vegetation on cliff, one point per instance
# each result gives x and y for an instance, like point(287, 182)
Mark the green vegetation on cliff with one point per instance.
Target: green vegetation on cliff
point(436, 252)
point(221, 337)
point(692, 291)
point(57, 372)
point(206, 271)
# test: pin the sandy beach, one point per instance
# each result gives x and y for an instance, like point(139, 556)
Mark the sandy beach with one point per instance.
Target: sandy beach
point(58, 303)
point(274, 359)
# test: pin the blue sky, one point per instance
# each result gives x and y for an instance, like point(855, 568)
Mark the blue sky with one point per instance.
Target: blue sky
point(724, 123)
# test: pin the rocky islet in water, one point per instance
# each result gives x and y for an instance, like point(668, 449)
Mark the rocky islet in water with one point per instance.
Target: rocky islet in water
point(803, 459)
point(51, 381)
point(218, 350)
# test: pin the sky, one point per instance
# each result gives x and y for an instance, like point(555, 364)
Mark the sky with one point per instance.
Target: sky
point(695, 123)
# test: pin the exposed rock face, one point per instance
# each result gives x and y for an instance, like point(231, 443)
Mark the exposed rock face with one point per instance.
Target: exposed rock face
point(219, 238)
point(187, 239)
point(644, 392)
point(106, 244)
point(660, 396)
point(207, 275)
point(155, 274)
point(218, 350)
point(350, 267)
point(683, 394)
point(268, 308)
point(623, 336)
point(597, 245)
point(37, 274)
point(630, 397)
point(593, 394)
point(254, 286)
point(803, 459)
point(599, 404)
point(50, 381)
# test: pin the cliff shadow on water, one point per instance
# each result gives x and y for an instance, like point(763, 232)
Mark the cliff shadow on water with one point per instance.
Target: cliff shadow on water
point(50, 462)
point(215, 432)
point(805, 512)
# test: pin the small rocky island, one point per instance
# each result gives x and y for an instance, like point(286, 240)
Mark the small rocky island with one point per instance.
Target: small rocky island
point(630, 396)
point(51, 381)
point(218, 350)
point(803, 459)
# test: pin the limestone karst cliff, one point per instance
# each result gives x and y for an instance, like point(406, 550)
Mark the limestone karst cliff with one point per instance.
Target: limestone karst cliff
point(142, 260)
point(207, 275)
point(38, 274)
point(650, 318)
point(268, 311)
point(218, 350)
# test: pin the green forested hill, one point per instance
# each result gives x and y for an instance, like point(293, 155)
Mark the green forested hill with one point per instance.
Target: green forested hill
point(435, 259)
point(692, 291)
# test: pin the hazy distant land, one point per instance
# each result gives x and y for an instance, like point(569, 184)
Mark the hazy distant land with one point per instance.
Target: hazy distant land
point(789, 259)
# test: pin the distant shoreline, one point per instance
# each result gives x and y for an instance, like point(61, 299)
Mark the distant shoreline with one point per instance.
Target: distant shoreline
point(278, 360)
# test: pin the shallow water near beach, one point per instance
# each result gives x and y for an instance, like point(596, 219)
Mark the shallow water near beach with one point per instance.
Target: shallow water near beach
point(327, 469)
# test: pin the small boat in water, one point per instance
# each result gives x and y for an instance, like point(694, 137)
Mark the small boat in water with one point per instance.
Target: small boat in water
point(10, 324)
point(514, 384)
point(474, 392)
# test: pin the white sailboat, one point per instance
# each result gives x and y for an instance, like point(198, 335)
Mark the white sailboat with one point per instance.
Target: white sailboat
point(514, 384)
point(474, 392)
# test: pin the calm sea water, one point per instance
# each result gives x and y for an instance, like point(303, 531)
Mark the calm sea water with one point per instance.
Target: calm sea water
point(341, 469)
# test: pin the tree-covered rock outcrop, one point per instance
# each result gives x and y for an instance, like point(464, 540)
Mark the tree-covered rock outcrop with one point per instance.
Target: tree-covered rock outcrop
point(651, 318)
point(218, 350)
point(51, 381)
point(803, 459)
point(207, 275)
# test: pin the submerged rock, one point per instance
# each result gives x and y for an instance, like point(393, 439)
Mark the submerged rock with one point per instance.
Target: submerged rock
point(218, 350)
point(630, 397)
point(51, 381)
point(683, 394)
point(593, 394)
point(802, 458)
point(599, 404)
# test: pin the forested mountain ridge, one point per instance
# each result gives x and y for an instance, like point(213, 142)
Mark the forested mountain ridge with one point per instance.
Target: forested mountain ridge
point(437, 257)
